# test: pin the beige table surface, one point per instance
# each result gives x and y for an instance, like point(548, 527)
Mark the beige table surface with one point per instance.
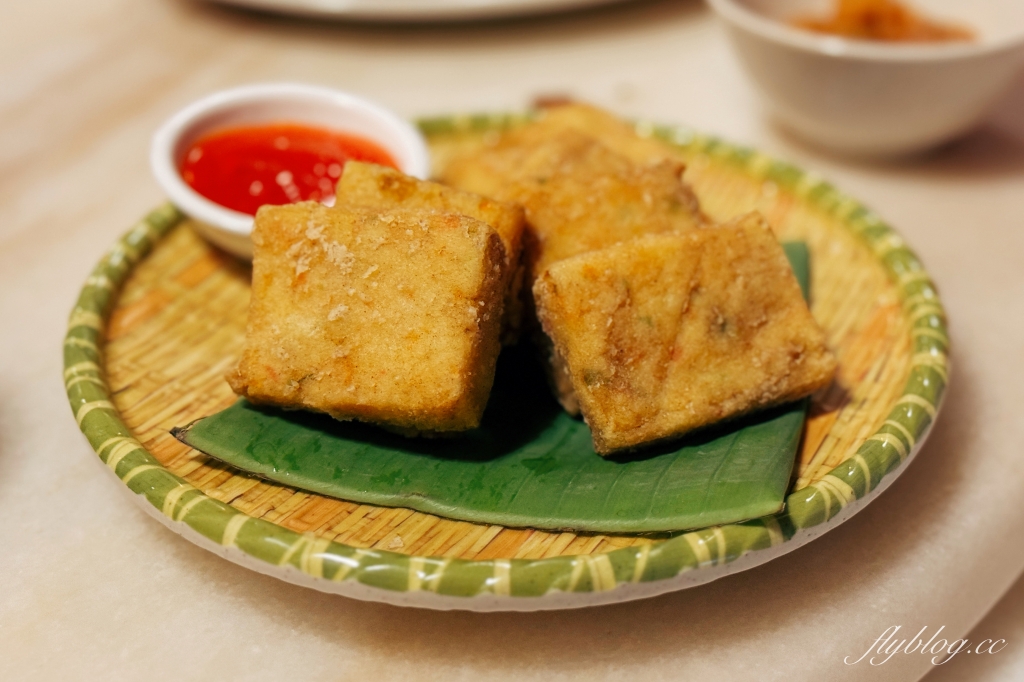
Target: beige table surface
point(92, 589)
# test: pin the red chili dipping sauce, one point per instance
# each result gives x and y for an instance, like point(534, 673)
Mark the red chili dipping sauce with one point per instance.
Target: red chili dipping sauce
point(244, 168)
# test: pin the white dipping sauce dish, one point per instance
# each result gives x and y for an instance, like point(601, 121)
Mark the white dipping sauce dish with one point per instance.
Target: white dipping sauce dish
point(874, 98)
point(271, 103)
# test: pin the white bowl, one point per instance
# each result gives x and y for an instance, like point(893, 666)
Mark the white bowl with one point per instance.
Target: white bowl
point(875, 98)
point(271, 103)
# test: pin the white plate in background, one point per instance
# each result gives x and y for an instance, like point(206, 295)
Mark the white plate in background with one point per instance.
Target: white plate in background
point(413, 10)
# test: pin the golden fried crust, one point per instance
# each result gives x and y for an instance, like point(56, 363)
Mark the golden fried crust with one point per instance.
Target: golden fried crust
point(386, 316)
point(366, 184)
point(668, 333)
point(612, 131)
point(594, 198)
point(578, 194)
point(530, 151)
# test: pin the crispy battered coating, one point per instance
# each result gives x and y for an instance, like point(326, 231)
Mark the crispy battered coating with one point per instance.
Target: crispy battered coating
point(601, 125)
point(367, 184)
point(595, 198)
point(668, 333)
point(533, 151)
point(386, 316)
point(578, 194)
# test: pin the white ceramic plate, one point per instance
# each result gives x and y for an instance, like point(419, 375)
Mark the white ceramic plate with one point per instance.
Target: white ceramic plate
point(413, 10)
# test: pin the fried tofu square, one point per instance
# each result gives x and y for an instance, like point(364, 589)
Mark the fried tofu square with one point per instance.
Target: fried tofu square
point(595, 198)
point(669, 333)
point(382, 315)
point(578, 194)
point(534, 149)
point(367, 184)
point(612, 131)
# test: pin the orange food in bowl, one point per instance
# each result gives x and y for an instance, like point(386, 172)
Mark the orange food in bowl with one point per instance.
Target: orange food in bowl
point(886, 20)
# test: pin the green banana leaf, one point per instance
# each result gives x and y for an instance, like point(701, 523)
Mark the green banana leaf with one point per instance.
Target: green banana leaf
point(528, 465)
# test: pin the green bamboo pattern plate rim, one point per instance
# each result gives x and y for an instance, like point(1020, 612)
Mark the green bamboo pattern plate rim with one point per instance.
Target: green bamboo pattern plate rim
point(524, 584)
